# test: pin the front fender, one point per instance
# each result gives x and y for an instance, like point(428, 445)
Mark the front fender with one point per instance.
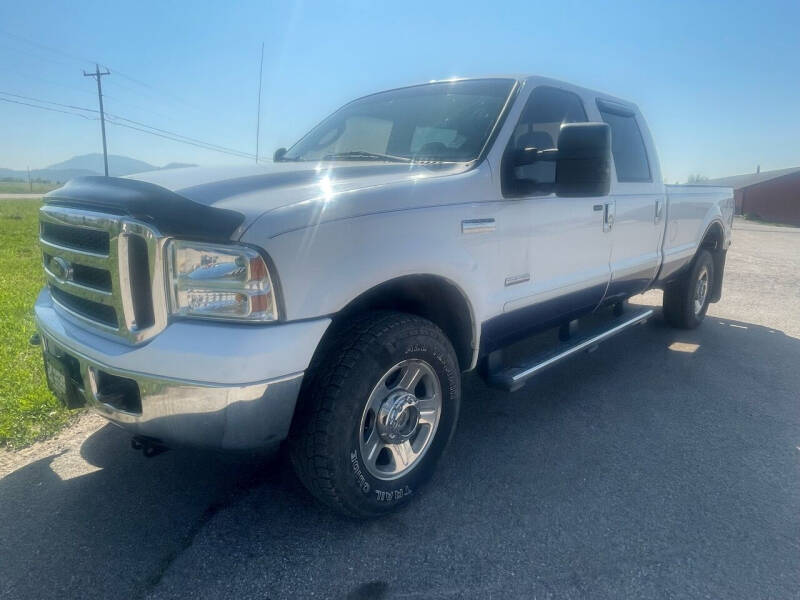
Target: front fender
point(324, 267)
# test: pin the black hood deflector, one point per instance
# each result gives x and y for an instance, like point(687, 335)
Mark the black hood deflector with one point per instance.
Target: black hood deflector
point(170, 213)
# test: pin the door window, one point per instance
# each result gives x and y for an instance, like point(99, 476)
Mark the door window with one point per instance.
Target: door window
point(546, 110)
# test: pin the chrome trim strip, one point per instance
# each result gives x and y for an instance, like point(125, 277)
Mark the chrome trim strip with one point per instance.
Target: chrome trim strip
point(103, 327)
point(80, 257)
point(531, 371)
point(76, 217)
point(77, 289)
point(515, 279)
point(477, 226)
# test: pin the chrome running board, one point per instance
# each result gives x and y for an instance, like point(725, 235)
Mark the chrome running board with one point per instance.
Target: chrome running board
point(513, 378)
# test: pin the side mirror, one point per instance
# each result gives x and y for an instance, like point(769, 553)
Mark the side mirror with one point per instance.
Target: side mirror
point(278, 154)
point(525, 156)
point(583, 164)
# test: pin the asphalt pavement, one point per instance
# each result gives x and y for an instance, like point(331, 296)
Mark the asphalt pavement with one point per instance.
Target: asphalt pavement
point(663, 465)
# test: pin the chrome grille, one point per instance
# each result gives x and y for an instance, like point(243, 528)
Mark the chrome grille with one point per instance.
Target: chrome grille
point(90, 240)
point(104, 271)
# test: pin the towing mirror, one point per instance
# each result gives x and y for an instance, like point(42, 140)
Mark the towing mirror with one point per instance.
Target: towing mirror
point(580, 166)
point(583, 163)
point(527, 156)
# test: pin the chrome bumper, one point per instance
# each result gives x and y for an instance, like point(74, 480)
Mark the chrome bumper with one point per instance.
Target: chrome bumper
point(189, 414)
point(188, 378)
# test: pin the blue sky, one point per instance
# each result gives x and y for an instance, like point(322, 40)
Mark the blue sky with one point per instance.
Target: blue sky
point(719, 82)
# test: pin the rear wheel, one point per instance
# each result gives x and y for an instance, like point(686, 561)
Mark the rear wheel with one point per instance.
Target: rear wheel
point(686, 300)
point(376, 414)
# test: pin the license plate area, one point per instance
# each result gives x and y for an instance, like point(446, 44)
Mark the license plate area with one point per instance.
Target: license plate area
point(64, 379)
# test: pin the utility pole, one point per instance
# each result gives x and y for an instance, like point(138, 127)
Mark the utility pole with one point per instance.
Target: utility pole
point(97, 75)
point(258, 117)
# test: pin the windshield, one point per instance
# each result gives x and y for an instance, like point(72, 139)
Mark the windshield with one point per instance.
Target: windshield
point(439, 122)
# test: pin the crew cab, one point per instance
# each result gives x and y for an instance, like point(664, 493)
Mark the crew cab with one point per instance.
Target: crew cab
point(334, 297)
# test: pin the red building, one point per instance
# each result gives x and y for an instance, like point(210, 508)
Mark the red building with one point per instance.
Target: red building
point(768, 195)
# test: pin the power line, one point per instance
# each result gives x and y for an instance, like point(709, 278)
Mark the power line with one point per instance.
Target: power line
point(29, 53)
point(26, 74)
point(234, 153)
point(136, 81)
point(179, 135)
point(49, 102)
point(48, 108)
point(84, 60)
point(114, 119)
point(146, 95)
point(136, 106)
point(48, 59)
point(47, 48)
point(174, 98)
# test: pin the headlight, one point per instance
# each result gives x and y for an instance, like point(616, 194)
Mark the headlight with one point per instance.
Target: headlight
point(220, 282)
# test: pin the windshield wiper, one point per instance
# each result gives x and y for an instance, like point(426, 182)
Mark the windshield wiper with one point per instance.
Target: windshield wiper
point(364, 155)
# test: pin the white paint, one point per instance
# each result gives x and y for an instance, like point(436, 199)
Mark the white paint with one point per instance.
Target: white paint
point(332, 237)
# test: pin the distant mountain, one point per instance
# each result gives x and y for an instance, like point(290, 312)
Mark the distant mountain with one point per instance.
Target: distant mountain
point(57, 176)
point(117, 165)
point(88, 164)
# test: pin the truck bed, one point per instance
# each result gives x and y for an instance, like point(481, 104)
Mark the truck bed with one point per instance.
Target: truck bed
point(690, 211)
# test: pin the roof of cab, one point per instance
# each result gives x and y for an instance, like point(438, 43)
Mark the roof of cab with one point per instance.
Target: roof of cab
point(534, 79)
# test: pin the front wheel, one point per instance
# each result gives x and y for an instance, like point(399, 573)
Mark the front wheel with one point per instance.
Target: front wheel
point(377, 412)
point(686, 300)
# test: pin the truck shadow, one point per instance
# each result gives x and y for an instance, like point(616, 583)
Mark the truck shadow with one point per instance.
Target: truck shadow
point(655, 414)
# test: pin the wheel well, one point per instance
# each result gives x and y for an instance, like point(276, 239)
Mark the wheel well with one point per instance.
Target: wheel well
point(428, 296)
point(713, 239)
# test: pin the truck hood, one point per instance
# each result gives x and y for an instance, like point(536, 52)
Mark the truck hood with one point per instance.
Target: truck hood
point(254, 190)
point(220, 203)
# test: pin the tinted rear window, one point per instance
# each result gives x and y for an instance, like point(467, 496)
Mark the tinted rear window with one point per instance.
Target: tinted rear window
point(627, 145)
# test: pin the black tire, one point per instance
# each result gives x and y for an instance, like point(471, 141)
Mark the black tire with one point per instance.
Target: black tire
point(680, 310)
point(325, 443)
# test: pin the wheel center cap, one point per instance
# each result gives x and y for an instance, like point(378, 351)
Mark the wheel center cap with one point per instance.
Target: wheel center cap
point(398, 417)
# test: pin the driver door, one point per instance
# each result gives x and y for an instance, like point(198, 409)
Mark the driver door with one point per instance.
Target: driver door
point(569, 246)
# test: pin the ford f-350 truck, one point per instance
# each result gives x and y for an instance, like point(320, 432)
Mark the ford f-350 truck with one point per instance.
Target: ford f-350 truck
point(334, 297)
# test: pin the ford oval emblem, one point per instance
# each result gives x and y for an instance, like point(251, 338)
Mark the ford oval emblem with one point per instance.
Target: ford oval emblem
point(60, 268)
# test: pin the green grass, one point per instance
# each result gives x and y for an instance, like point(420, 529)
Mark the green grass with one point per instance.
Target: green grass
point(22, 187)
point(28, 411)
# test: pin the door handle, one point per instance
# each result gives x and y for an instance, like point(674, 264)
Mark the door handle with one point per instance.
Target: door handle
point(659, 210)
point(608, 216)
point(597, 207)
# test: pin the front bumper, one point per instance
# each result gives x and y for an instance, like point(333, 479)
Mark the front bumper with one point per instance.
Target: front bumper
point(199, 384)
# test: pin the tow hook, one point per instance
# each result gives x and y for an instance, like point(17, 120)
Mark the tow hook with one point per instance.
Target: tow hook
point(150, 447)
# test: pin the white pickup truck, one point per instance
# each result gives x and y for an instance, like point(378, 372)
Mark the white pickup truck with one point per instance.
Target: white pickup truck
point(334, 297)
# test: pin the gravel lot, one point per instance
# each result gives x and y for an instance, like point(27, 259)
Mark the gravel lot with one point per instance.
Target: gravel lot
point(663, 465)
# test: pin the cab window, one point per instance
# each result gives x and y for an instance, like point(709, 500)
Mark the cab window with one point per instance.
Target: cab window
point(546, 110)
point(627, 144)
